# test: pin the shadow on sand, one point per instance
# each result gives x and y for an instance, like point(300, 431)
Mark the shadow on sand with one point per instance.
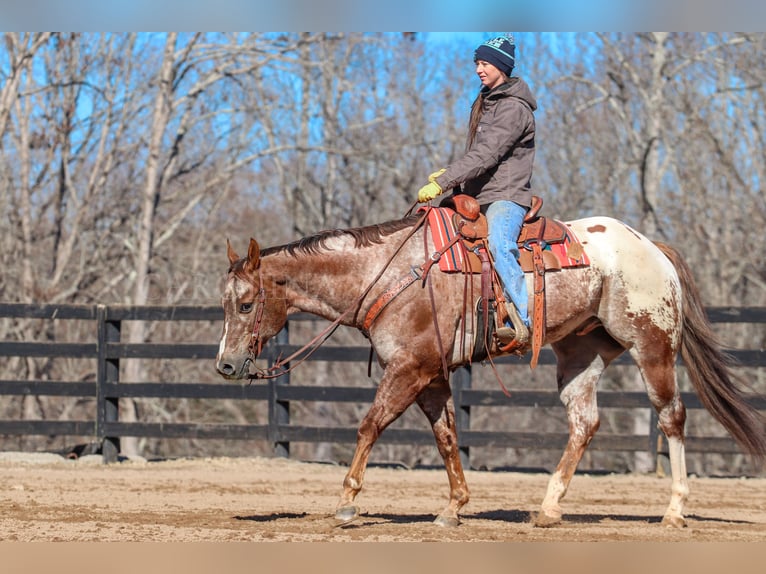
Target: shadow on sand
point(507, 516)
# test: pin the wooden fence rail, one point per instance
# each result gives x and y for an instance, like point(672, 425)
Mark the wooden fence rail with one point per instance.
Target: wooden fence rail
point(108, 350)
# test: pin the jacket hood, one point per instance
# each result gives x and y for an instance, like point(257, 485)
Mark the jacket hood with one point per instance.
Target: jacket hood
point(516, 88)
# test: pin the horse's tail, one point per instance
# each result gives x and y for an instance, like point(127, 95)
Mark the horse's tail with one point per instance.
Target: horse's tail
point(709, 367)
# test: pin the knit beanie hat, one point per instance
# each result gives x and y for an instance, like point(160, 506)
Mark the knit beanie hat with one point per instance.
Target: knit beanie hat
point(500, 52)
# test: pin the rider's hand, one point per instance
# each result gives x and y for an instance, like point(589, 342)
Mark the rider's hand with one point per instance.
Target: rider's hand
point(429, 191)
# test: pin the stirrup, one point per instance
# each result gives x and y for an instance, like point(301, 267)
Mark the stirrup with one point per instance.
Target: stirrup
point(518, 334)
point(505, 335)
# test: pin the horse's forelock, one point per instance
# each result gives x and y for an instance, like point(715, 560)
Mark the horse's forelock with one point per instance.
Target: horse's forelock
point(237, 270)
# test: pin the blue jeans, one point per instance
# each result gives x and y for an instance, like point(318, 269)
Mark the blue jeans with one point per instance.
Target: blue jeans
point(504, 219)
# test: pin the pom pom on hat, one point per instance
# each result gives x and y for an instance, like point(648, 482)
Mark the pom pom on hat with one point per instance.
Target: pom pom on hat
point(500, 52)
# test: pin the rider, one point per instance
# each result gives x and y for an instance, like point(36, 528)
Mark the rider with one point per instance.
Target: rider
point(497, 166)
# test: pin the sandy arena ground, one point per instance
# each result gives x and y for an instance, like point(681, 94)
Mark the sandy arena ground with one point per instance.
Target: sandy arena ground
point(47, 498)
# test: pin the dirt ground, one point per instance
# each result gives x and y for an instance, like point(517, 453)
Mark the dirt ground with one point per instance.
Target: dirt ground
point(48, 498)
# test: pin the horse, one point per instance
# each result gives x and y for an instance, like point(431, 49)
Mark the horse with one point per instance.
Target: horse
point(635, 296)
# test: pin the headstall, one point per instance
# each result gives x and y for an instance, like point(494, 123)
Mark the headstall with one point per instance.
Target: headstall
point(256, 344)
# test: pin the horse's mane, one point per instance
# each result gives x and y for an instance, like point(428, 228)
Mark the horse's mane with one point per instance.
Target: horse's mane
point(363, 237)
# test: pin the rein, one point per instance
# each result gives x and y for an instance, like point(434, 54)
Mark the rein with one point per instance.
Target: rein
point(430, 261)
point(278, 368)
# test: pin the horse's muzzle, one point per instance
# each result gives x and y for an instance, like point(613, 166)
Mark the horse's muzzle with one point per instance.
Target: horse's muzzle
point(232, 369)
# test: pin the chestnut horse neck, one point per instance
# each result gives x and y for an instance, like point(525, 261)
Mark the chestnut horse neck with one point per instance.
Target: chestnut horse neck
point(327, 298)
point(331, 273)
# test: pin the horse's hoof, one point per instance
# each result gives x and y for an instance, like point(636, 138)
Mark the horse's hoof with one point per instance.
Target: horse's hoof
point(447, 521)
point(347, 514)
point(674, 521)
point(543, 520)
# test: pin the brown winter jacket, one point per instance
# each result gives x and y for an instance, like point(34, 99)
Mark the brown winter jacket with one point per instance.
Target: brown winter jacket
point(498, 165)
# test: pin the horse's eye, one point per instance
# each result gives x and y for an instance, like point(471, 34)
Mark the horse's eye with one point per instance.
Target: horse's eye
point(245, 307)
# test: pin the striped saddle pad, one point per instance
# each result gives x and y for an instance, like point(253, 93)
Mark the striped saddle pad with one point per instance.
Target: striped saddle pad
point(566, 252)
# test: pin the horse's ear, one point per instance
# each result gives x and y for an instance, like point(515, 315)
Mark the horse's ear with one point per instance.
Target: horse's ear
point(233, 257)
point(253, 256)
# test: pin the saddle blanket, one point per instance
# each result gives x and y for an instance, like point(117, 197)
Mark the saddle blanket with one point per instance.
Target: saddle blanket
point(440, 221)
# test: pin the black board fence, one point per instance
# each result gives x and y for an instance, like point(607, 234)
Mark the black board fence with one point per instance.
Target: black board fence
point(108, 349)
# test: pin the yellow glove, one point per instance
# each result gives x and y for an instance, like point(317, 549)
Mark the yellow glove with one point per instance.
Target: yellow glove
point(429, 191)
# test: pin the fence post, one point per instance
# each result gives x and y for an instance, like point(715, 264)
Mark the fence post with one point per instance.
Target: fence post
point(461, 381)
point(279, 411)
point(107, 371)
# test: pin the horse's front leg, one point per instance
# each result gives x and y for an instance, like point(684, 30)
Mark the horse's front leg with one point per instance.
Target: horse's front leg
point(402, 381)
point(437, 404)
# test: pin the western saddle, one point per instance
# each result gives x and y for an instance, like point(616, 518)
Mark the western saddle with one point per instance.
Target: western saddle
point(536, 234)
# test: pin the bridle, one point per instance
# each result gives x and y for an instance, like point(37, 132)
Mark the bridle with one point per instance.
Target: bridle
point(255, 346)
point(256, 343)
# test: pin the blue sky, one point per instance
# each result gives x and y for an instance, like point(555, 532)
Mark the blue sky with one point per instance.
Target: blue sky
point(390, 15)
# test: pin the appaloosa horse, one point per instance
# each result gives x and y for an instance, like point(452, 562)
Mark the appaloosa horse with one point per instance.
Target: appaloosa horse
point(636, 296)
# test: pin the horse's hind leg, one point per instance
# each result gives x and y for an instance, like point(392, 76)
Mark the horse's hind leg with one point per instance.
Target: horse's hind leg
point(437, 404)
point(657, 365)
point(581, 360)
